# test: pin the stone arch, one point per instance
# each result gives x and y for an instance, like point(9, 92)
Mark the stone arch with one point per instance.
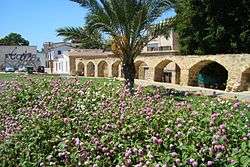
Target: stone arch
point(103, 69)
point(80, 69)
point(245, 80)
point(116, 68)
point(167, 71)
point(208, 74)
point(140, 70)
point(90, 69)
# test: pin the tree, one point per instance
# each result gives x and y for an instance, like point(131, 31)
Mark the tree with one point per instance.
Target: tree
point(129, 23)
point(82, 36)
point(14, 39)
point(213, 27)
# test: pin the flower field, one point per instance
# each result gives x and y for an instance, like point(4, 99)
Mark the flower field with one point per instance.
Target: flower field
point(52, 121)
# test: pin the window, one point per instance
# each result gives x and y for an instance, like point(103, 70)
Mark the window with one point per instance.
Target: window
point(153, 47)
point(162, 48)
point(59, 52)
point(168, 77)
point(62, 66)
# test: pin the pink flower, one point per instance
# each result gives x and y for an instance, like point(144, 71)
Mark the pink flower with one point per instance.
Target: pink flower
point(244, 138)
point(154, 139)
point(168, 130)
point(222, 126)
point(219, 148)
point(77, 141)
point(236, 105)
point(66, 120)
point(138, 165)
point(177, 161)
point(174, 154)
point(179, 125)
point(231, 161)
point(128, 162)
point(128, 153)
point(210, 163)
point(195, 164)
point(157, 141)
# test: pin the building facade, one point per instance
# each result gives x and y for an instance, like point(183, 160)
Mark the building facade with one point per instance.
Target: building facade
point(161, 43)
point(61, 64)
point(56, 56)
point(225, 72)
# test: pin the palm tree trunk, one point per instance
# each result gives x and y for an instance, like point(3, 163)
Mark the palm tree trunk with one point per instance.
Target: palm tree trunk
point(129, 74)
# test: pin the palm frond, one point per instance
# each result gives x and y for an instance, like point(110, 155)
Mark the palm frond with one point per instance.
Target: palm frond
point(132, 20)
point(81, 35)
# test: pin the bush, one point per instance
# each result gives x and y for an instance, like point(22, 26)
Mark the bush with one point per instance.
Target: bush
point(64, 122)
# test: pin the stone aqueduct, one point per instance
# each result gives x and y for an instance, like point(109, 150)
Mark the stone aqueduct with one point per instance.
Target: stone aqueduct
point(235, 68)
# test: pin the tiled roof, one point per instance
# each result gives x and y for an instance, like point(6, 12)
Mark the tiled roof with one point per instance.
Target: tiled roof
point(89, 52)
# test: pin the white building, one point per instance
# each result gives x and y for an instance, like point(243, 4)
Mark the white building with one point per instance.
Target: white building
point(61, 64)
point(56, 57)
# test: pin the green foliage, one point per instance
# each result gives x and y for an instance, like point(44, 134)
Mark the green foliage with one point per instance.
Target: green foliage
point(213, 27)
point(14, 39)
point(82, 36)
point(51, 121)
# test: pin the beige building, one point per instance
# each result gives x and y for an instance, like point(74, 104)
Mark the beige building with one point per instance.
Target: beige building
point(163, 44)
point(225, 72)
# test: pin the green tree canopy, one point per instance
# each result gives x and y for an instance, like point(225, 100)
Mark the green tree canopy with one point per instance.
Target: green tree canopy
point(130, 25)
point(14, 39)
point(82, 36)
point(213, 27)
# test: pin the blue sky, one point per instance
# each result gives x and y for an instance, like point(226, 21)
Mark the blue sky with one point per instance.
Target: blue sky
point(37, 20)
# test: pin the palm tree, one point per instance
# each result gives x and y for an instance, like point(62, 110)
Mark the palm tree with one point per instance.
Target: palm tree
point(82, 36)
point(130, 23)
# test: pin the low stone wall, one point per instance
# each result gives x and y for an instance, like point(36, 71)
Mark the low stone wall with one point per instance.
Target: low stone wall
point(237, 66)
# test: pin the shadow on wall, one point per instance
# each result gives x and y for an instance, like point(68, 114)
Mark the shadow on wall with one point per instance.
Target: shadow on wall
point(103, 69)
point(245, 80)
point(140, 70)
point(90, 69)
point(80, 69)
point(167, 71)
point(208, 74)
point(116, 67)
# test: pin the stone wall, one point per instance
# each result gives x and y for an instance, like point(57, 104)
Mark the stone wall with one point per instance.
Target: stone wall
point(19, 57)
point(237, 66)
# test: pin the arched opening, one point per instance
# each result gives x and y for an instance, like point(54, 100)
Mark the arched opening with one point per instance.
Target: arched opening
point(245, 80)
point(167, 71)
point(141, 69)
point(90, 69)
point(80, 69)
point(208, 74)
point(103, 69)
point(116, 68)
